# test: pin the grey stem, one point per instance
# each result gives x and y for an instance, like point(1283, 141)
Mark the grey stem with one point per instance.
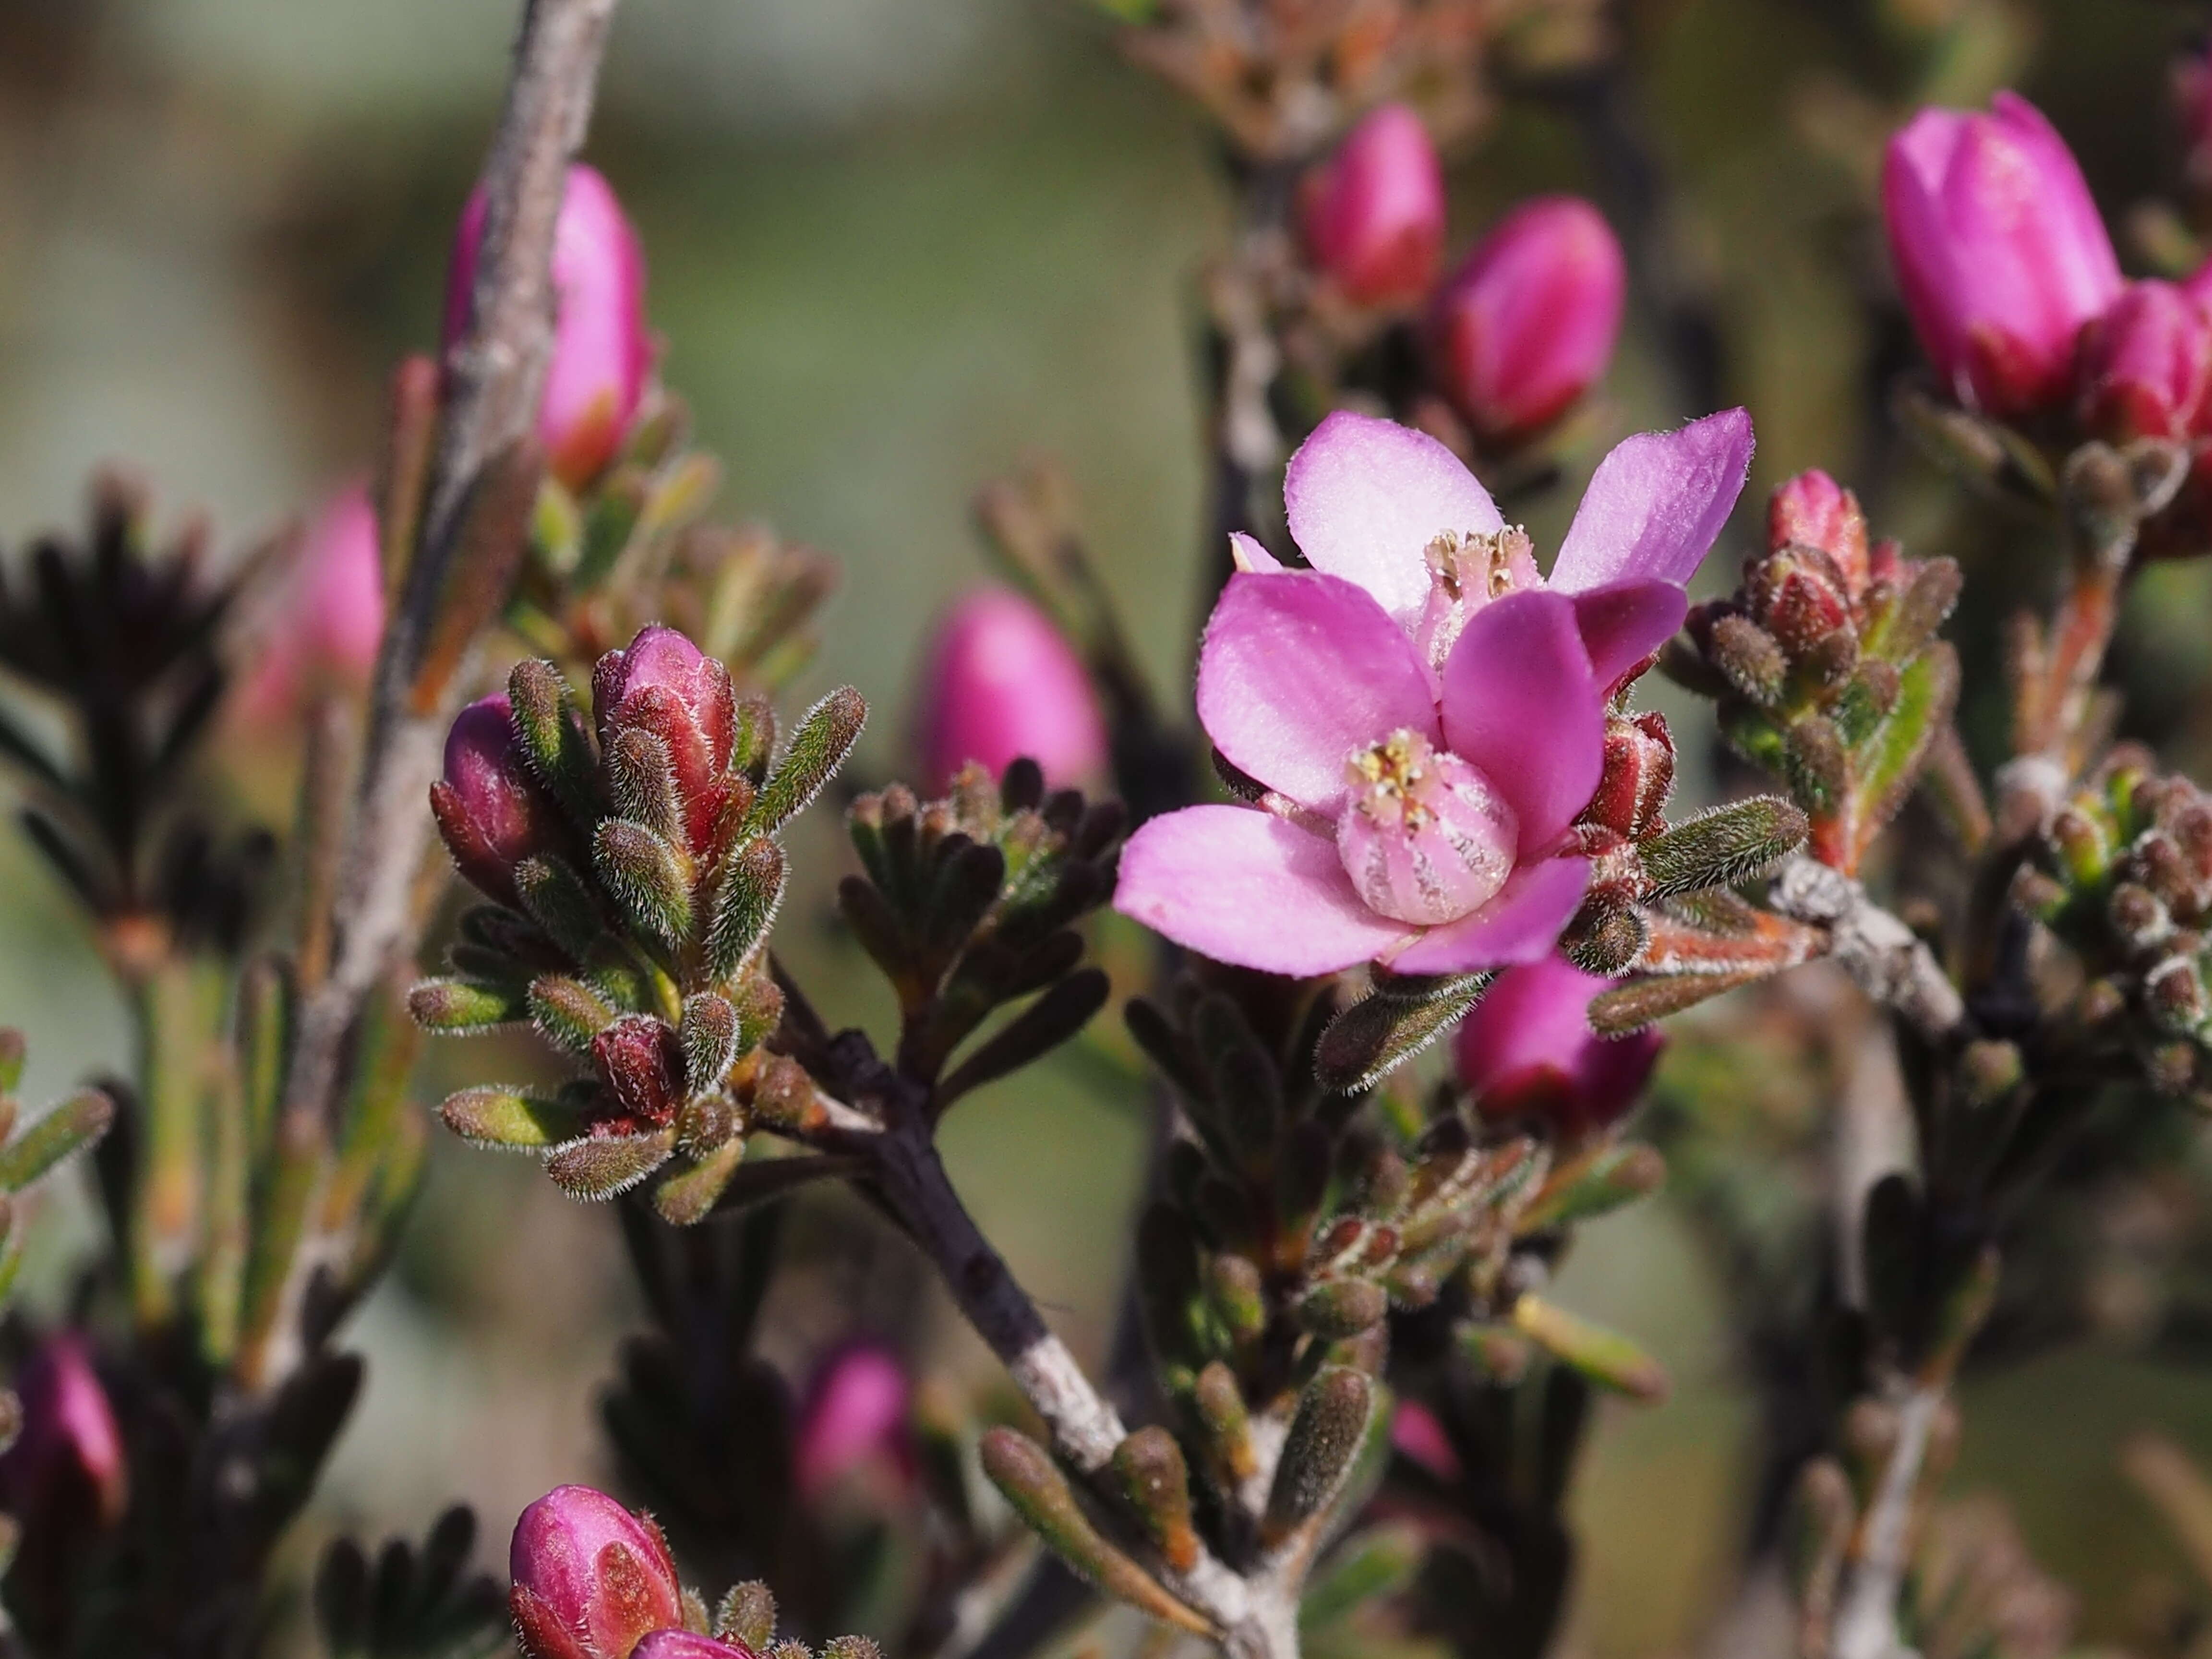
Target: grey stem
point(1884, 958)
point(1866, 1618)
point(494, 374)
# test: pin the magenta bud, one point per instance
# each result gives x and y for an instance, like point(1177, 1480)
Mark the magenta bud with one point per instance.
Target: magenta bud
point(490, 809)
point(1001, 682)
point(1813, 510)
point(2000, 256)
point(1527, 322)
point(332, 616)
point(689, 1644)
point(67, 1466)
point(602, 352)
point(664, 685)
point(591, 1579)
point(1415, 1433)
point(1372, 216)
point(1526, 1050)
point(856, 1412)
point(641, 1061)
point(2144, 364)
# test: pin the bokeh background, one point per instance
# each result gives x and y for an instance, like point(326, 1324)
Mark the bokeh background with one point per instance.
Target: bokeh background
point(896, 245)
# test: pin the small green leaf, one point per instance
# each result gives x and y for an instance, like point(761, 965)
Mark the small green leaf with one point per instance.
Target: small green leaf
point(1603, 1356)
point(459, 1007)
point(70, 1127)
point(648, 877)
point(599, 1167)
point(1380, 1033)
point(746, 895)
point(1722, 845)
point(817, 750)
point(496, 1116)
point(1325, 1438)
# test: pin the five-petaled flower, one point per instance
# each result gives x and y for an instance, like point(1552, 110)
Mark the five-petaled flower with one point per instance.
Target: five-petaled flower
point(1426, 713)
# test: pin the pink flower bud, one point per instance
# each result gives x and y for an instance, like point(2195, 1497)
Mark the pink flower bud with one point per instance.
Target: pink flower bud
point(1528, 1050)
point(1001, 682)
point(591, 1579)
point(641, 1061)
point(856, 1409)
point(2000, 256)
point(1526, 324)
point(67, 1466)
point(666, 685)
point(2145, 364)
point(1415, 1433)
point(332, 618)
point(1373, 215)
point(602, 353)
point(1813, 510)
point(686, 1645)
point(490, 809)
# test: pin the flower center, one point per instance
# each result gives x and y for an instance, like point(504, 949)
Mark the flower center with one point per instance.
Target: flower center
point(1467, 571)
point(1424, 836)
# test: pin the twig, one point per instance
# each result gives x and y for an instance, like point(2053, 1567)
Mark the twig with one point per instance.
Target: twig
point(1884, 958)
point(492, 377)
point(1866, 1625)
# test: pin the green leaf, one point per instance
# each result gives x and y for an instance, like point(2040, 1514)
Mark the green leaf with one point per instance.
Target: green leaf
point(648, 877)
point(1722, 845)
point(745, 900)
point(496, 1115)
point(599, 1167)
point(1325, 1438)
point(1380, 1033)
point(1039, 1029)
point(817, 750)
point(1603, 1356)
point(459, 1007)
point(70, 1127)
point(550, 729)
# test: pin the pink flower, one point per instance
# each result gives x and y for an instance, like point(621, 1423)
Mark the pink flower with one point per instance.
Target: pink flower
point(2000, 257)
point(602, 353)
point(332, 619)
point(2145, 364)
point(856, 1409)
point(1000, 682)
point(68, 1462)
point(490, 810)
point(1427, 715)
point(1372, 217)
point(1527, 322)
point(1526, 1050)
point(591, 1579)
point(685, 1644)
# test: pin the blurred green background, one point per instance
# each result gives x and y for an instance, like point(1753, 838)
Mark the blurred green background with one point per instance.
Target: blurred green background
point(895, 246)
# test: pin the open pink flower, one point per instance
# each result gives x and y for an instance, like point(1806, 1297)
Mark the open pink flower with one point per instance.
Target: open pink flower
point(1427, 713)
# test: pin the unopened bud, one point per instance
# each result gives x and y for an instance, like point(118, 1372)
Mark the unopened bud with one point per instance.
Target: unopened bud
point(1372, 216)
point(1001, 682)
point(590, 1578)
point(1812, 510)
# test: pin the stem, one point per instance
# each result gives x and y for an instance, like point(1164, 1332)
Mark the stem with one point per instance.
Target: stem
point(493, 376)
point(1866, 1622)
point(1884, 958)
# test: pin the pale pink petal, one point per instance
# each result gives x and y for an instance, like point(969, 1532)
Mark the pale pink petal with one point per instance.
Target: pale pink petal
point(1625, 622)
point(1244, 887)
point(1520, 924)
point(1297, 670)
point(1364, 498)
point(1248, 555)
point(1521, 704)
point(1656, 504)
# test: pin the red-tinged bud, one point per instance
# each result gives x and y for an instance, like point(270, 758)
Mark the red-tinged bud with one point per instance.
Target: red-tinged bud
point(1801, 598)
point(67, 1465)
point(1372, 217)
point(688, 1644)
point(491, 812)
point(1415, 1433)
point(664, 685)
point(332, 616)
point(1526, 1050)
point(640, 1061)
point(2000, 256)
point(856, 1414)
point(2145, 364)
point(1528, 322)
point(1000, 682)
point(1639, 775)
point(1813, 510)
point(602, 350)
point(591, 1579)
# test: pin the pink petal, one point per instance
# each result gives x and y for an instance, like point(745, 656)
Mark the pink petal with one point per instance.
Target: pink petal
point(1520, 924)
point(1364, 496)
point(1656, 504)
point(1297, 670)
point(1625, 622)
point(1248, 554)
point(1246, 888)
point(1521, 704)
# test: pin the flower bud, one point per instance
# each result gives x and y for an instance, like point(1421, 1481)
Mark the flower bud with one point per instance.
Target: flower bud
point(591, 1579)
point(1415, 1433)
point(602, 353)
point(2000, 256)
point(1813, 510)
point(67, 1465)
point(332, 616)
point(2144, 364)
point(1526, 1050)
point(666, 685)
point(688, 1644)
point(1372, 217)
point(490, 810)
point(1001, 682)
point(641, 1061)
point(856, 1410)
point(1528, 322)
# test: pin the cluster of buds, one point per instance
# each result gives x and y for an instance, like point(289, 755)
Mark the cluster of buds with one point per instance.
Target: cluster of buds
point(591, 1580)
point(2123, 875)
point(1518, 331)
point(1826, 664)
point(632, 873)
